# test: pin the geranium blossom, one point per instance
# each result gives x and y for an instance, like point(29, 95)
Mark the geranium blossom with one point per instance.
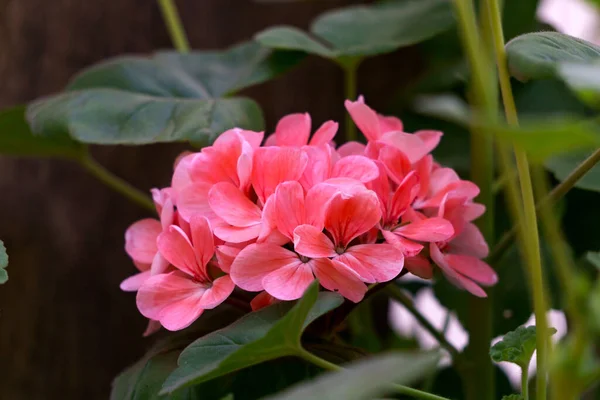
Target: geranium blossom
point(273, 218)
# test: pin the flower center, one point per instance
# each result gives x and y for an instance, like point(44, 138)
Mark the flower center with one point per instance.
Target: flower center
point(304, 259)
point(340, 250)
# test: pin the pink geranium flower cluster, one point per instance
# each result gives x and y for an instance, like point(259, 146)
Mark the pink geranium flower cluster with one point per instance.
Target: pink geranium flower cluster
point(273, 218)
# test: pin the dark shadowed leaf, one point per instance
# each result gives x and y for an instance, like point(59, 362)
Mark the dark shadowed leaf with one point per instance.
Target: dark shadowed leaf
point(365, 30)
point(365, 379)
point(3, 263)
point(519, 17)
point(260, 336)
point(537, 55)
point(517, 346)
point(17, 139)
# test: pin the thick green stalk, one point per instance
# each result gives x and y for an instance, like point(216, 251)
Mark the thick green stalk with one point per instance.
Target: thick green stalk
point(116, 183)
point(530, 222)
point(174, 25)
point(350, 93)
point(479, 379)
point(525, 383)
point(400, 389)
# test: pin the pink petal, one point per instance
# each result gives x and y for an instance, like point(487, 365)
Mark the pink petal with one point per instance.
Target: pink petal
point(172, 299)
point(311, 242)
point(428, 230)
point(230, 204)
point(351, 149)
point(234, 234)
point(256, 261)
point(473, 268)
point(193, 199)
point(262, 300)
point(289, 207)
point(381, 186)
point(225, 256)
point(419, 266)
point(407, 247)
point(274, 165)
point(349, 217)
point(293, 130)
point(217, 293)
point(244, 165)
point(202, 239)
point(411, 145)
point(319, 159)
point(318, 197)
point(159, 264)
point(442, 177)
point(390, 124)
point(324, 134)
point(252, 137)
point(423, 168)
point(289, 282)
point(336, 276)
point(176, 248)
point(140, 240)
point(403, 196)
point(167, 214)
point(382, 261)
point(397, 164)
point(355, 167)
point(152, 327)
point(134, 282)
point(470, 242)
point(472, 211)
point(365, 118)
point(430, 138)
point(271, 141)
point(453, 276)
point(268, 226)
point(181, 175)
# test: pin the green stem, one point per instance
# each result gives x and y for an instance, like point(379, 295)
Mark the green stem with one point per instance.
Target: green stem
point(174, 25)
point(396, 293)
point(549, 199)
point(350, 93)
point(479, 378)
point(525, 382)
point(401, 389)
point(116, 183)
point(530, 221)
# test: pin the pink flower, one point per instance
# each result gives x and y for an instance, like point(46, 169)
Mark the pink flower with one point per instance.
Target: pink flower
point(294, 130)
point(178, 298)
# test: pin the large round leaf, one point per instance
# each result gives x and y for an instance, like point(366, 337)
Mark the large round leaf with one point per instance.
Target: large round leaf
point(365, 30)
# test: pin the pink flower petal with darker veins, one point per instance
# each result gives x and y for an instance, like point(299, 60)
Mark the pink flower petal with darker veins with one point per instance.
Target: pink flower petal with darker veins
point(293, 130)
point(413, 147)
point(312, 242)
point(172, 299)
point(403, 196)
point(473, 268)
point(256, 261)
point(202, 240)
point(351, 149)
point(376, 262)
point(274, 165)
point(234, 234)
point(319, 160)
point(430, 138)
point(453, 276)
point(419, 266)
point(193, 199)
point(336, 276)
point(355, 167)
point(365, 118)
point(470, 242)
point(289, 282)
point(388, 124)
point(396, 163)
point(324, 134)
point(231, 205)
point(216, 294)
point(428, 230)
point(134, 282)
point(407, 247)
point(159, 264)
point(175, 247)
point(225, 256)
point(181, 175)
point(140, 240)
point(268, 225)
point(349, 217)
point(289, 208)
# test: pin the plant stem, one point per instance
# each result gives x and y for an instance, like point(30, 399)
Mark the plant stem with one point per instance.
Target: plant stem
point(116, 183)
point(397, 294)
point(350, 94)
point(549, 199)
point(401, 389)
point(525, 382)
point(174, 25)
point(479, 379)
point(531, 228)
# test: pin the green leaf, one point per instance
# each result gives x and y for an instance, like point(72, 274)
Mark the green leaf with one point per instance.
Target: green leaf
point(562, 167)
point(17, 139)
point(365, 379)
point(361, 31)
point(513, 397)
point(517, 346)
point(260, 336)
point(3, 263)
point(537, 55)
point(112, 116)
point(594, 258)
point(584, 81)
point(167, 97)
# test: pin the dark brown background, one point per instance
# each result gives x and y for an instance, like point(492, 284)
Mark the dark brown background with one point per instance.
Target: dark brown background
point(65, 327)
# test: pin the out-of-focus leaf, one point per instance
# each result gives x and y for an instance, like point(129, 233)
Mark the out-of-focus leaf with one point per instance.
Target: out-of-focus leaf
point(112, 116)
point(365, 379)
point(361, 31)
point(584, 80)
point(519, 17)
point(17, 139)
point(264, 335)
point(537, 55)
point(517, 346)
point(3, 263)
point(513, 397)
point(594, 258)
